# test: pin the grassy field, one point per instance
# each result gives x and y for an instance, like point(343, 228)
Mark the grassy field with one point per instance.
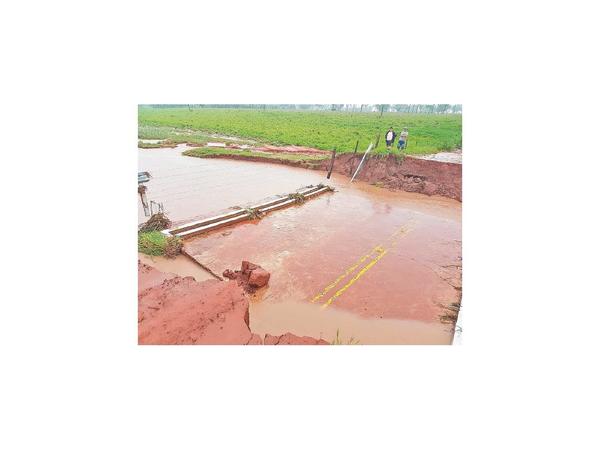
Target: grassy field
point(202, 152)
point(428, 133)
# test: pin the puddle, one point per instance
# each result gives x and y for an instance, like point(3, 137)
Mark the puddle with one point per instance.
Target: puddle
point(305, 319)
point(180, 265)
point(151, 141)
point(451, 157)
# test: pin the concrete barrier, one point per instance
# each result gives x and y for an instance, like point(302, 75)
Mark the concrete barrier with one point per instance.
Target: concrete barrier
point(222, 220)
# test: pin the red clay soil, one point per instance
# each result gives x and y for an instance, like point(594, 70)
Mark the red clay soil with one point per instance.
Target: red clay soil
point(406, 174)
point(175, 310)
point(389, 171)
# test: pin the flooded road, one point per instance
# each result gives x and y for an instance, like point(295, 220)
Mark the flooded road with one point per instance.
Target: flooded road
point(375, 265)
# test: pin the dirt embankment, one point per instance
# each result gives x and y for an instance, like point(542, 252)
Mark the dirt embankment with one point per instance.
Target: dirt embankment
point(175, 310)
point(408, 174)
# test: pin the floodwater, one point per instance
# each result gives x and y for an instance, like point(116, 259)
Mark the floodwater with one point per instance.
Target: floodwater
point(192, 188)
point(375, 265)
point(180, 265)
point(451, 157)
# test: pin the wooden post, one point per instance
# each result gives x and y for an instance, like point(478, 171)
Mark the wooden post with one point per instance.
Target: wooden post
point(353, 158)
point(332, 161)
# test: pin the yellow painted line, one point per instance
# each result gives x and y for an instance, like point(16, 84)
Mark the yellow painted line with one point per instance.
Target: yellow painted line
point(355, 279)
point(348, 271)
point(382, 252)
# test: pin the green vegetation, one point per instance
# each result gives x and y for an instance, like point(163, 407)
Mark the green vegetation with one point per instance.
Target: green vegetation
point(172, 135)
point(428, 133)
point(297, 197)
point(152, 243)
point(207, 152)
point(338, 340)
point(151, 145)
point(155, 243)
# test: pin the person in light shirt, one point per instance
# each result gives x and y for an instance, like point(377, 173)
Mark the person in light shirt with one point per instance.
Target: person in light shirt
point(390, 136)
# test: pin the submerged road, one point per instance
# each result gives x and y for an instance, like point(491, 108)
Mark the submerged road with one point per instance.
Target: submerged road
point(375, 265)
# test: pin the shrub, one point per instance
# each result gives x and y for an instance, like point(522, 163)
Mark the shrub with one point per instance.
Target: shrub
point(151, 243)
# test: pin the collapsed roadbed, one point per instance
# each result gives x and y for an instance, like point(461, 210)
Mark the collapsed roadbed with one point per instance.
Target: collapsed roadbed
point(176, 310)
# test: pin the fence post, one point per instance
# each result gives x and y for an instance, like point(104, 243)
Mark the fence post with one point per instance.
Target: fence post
point(332, 161)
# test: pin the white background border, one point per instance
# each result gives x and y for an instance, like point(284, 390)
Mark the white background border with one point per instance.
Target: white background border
point(526, 375)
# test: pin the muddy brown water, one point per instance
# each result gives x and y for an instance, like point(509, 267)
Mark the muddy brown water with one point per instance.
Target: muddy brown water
point(180, 265)
point(194, 187)
point(375, 265)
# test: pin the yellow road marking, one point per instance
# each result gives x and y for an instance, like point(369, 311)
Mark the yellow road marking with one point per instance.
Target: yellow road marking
point(382, 251)
point(355, 279)
point(348, 271)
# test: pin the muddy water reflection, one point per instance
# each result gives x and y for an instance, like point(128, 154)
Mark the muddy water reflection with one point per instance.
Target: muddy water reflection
point(180, 265)
point(194, 187)
point(306, 319)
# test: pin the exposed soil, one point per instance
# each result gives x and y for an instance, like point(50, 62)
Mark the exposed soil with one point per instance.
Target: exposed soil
point(175, 310)
point(407, 174)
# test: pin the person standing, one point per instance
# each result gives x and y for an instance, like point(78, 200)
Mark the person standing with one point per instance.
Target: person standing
point(390, 136)
point(403, 140)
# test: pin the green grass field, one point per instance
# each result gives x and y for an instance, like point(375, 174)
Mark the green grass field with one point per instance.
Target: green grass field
point(428, 133)
point(202, 152)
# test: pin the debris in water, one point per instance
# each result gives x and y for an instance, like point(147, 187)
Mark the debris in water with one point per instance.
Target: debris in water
point(251, 276)
point(157, 222)
point(173, 246)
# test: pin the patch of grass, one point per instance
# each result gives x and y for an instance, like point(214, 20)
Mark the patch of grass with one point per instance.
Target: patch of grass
point(207, 152)
point(338, 340)
point(155, 243)
point(152, 243)
point(428, 133)
point(148, 145)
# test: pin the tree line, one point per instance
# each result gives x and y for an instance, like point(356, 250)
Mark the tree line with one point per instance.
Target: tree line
point(441, 108)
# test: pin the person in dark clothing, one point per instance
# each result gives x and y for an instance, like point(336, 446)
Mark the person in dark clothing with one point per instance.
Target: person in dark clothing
point(390, 136)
